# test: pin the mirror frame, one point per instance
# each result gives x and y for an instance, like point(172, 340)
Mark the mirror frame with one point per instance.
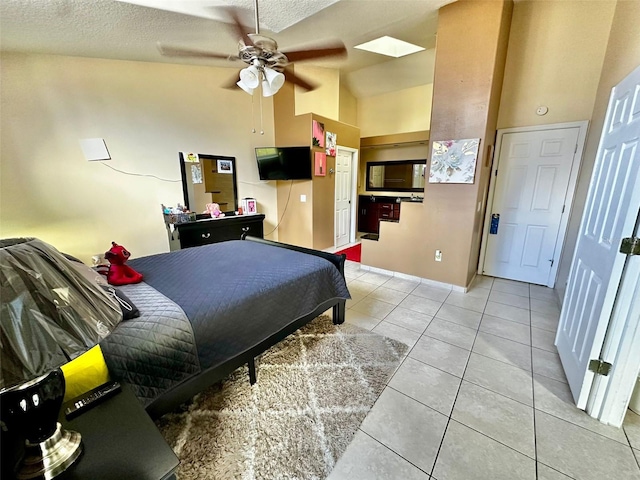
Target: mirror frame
point(422, 161)
point(204, 156)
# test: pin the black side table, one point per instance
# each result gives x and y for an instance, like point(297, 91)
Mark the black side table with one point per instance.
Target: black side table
point(120, 442)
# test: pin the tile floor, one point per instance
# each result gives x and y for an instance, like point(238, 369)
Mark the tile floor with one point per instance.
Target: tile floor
point(480, 394)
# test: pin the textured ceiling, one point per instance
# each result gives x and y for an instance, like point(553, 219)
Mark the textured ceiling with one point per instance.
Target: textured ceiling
point(123, 30)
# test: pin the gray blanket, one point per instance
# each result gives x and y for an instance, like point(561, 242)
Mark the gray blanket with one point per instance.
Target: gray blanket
point(235, 295)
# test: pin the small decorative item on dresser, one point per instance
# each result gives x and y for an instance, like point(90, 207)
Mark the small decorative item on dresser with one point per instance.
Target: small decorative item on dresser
point(249, 205)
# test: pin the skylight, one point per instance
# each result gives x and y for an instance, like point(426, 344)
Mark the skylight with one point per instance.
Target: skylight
point(390, 46)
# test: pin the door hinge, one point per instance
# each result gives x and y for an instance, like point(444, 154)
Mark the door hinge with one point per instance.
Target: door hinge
point(600, 367)
point(630, 246)
point(575, 150)
point(496, 172)
point(562, 209)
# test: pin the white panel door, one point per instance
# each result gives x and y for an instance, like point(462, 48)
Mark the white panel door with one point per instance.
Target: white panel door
point(609, 215)
point(531, 186)
point(343, 197)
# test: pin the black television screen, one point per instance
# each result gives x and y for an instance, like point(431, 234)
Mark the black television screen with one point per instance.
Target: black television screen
point(284, 163)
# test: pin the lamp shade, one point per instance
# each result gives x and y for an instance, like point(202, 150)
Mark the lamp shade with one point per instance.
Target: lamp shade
point(267, 91)
point(274, 78)
point(250, 76)
point(49, 313)
point(244, 87)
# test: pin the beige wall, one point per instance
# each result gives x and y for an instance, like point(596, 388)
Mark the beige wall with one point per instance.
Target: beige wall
point(325, 99)
point(348, 106)
point(407, 110)
point(147, 113)
point(308, 223)
point(472, 41)
point(324, 187)
point(622, 56)
point(555, 57)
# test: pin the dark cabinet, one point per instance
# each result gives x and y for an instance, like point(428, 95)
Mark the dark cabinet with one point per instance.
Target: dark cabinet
point(204, 232)
point(372, 210)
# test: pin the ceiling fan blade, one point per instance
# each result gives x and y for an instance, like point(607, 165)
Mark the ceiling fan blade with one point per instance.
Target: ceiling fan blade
point(187, 52)
point(239, 29)
point(330, 50)
point(290, 76)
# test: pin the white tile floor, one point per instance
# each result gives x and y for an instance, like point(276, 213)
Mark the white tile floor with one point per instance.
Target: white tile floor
point(481, 393)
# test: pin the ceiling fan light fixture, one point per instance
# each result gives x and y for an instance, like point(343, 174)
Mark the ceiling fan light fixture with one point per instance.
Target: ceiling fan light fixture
point(267, 91)
point(274, 78)
point(244, 87)
point(250, 76)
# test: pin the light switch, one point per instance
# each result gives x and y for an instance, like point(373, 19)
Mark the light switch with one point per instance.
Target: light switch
point(303, 198)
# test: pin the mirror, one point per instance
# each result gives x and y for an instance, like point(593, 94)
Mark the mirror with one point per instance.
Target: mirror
point(396, 176)
point(209, 179)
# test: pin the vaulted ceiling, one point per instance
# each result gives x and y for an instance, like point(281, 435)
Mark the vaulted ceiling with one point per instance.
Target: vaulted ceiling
point(131, 30)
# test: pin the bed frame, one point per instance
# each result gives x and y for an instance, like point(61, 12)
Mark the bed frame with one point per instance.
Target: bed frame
point(171, 399)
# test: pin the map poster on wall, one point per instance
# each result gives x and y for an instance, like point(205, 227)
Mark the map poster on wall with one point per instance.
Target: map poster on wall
point(321, 164)
point(318, 134)
point(331, 143)
point(454, 161)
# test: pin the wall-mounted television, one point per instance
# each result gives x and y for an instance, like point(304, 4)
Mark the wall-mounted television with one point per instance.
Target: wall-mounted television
point(284, 163)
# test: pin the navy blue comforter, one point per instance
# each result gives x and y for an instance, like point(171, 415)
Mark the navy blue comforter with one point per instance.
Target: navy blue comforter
point(238, 293)
point(201, 307)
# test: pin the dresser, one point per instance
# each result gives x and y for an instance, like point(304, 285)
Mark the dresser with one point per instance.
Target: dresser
point(214, 230)
point(372, 209)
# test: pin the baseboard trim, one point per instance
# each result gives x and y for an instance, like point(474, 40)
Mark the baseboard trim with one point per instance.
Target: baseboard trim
point(413, 278)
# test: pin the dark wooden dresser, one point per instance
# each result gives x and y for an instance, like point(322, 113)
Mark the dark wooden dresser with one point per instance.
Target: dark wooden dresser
point(214, 230)
point(373, 209)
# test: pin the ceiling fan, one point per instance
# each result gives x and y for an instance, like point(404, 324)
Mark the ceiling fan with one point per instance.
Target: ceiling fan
point(267, 64)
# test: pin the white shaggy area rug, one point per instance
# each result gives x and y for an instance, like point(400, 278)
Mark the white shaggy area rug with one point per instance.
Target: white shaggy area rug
point(314, 389)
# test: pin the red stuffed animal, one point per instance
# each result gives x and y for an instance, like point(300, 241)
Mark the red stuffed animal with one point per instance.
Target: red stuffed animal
point(119, 273)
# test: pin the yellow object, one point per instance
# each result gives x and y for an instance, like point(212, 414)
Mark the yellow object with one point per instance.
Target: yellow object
point(84, 373)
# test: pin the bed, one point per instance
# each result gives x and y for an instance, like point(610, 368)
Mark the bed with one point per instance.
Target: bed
point(208, 310)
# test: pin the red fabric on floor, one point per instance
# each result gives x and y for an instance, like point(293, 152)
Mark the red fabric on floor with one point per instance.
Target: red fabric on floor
point(353, 253)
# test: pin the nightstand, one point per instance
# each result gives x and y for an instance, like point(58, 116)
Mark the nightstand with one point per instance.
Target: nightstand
point(120, 442)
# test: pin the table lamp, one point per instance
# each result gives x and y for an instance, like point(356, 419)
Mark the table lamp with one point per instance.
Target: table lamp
point(49, 315)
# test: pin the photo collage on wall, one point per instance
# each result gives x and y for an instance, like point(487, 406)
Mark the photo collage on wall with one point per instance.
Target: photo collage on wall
point(323, 139)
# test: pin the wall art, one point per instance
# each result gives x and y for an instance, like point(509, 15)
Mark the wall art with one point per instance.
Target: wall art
point(321, 164)
point(454, 161)
point(225, 166)
point(318, 134)
point(331, 143)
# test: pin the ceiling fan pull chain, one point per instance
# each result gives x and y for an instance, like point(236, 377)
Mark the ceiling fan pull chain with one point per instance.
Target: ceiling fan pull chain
point(261, 122)
point(253, 116)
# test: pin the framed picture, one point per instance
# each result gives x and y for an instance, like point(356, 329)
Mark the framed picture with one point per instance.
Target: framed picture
point(318, 134)
point(196, 173)
point(225, 166)
point(331, 144)
point(454, 161)
point(320, 164)
point(249, 205)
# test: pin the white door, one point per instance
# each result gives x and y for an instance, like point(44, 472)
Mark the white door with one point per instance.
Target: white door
point(609, 215)
point(343, 197)
point(533, 173)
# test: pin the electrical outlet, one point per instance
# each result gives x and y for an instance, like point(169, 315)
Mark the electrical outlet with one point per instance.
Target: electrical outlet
point(438, 255)
point(303, 198)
